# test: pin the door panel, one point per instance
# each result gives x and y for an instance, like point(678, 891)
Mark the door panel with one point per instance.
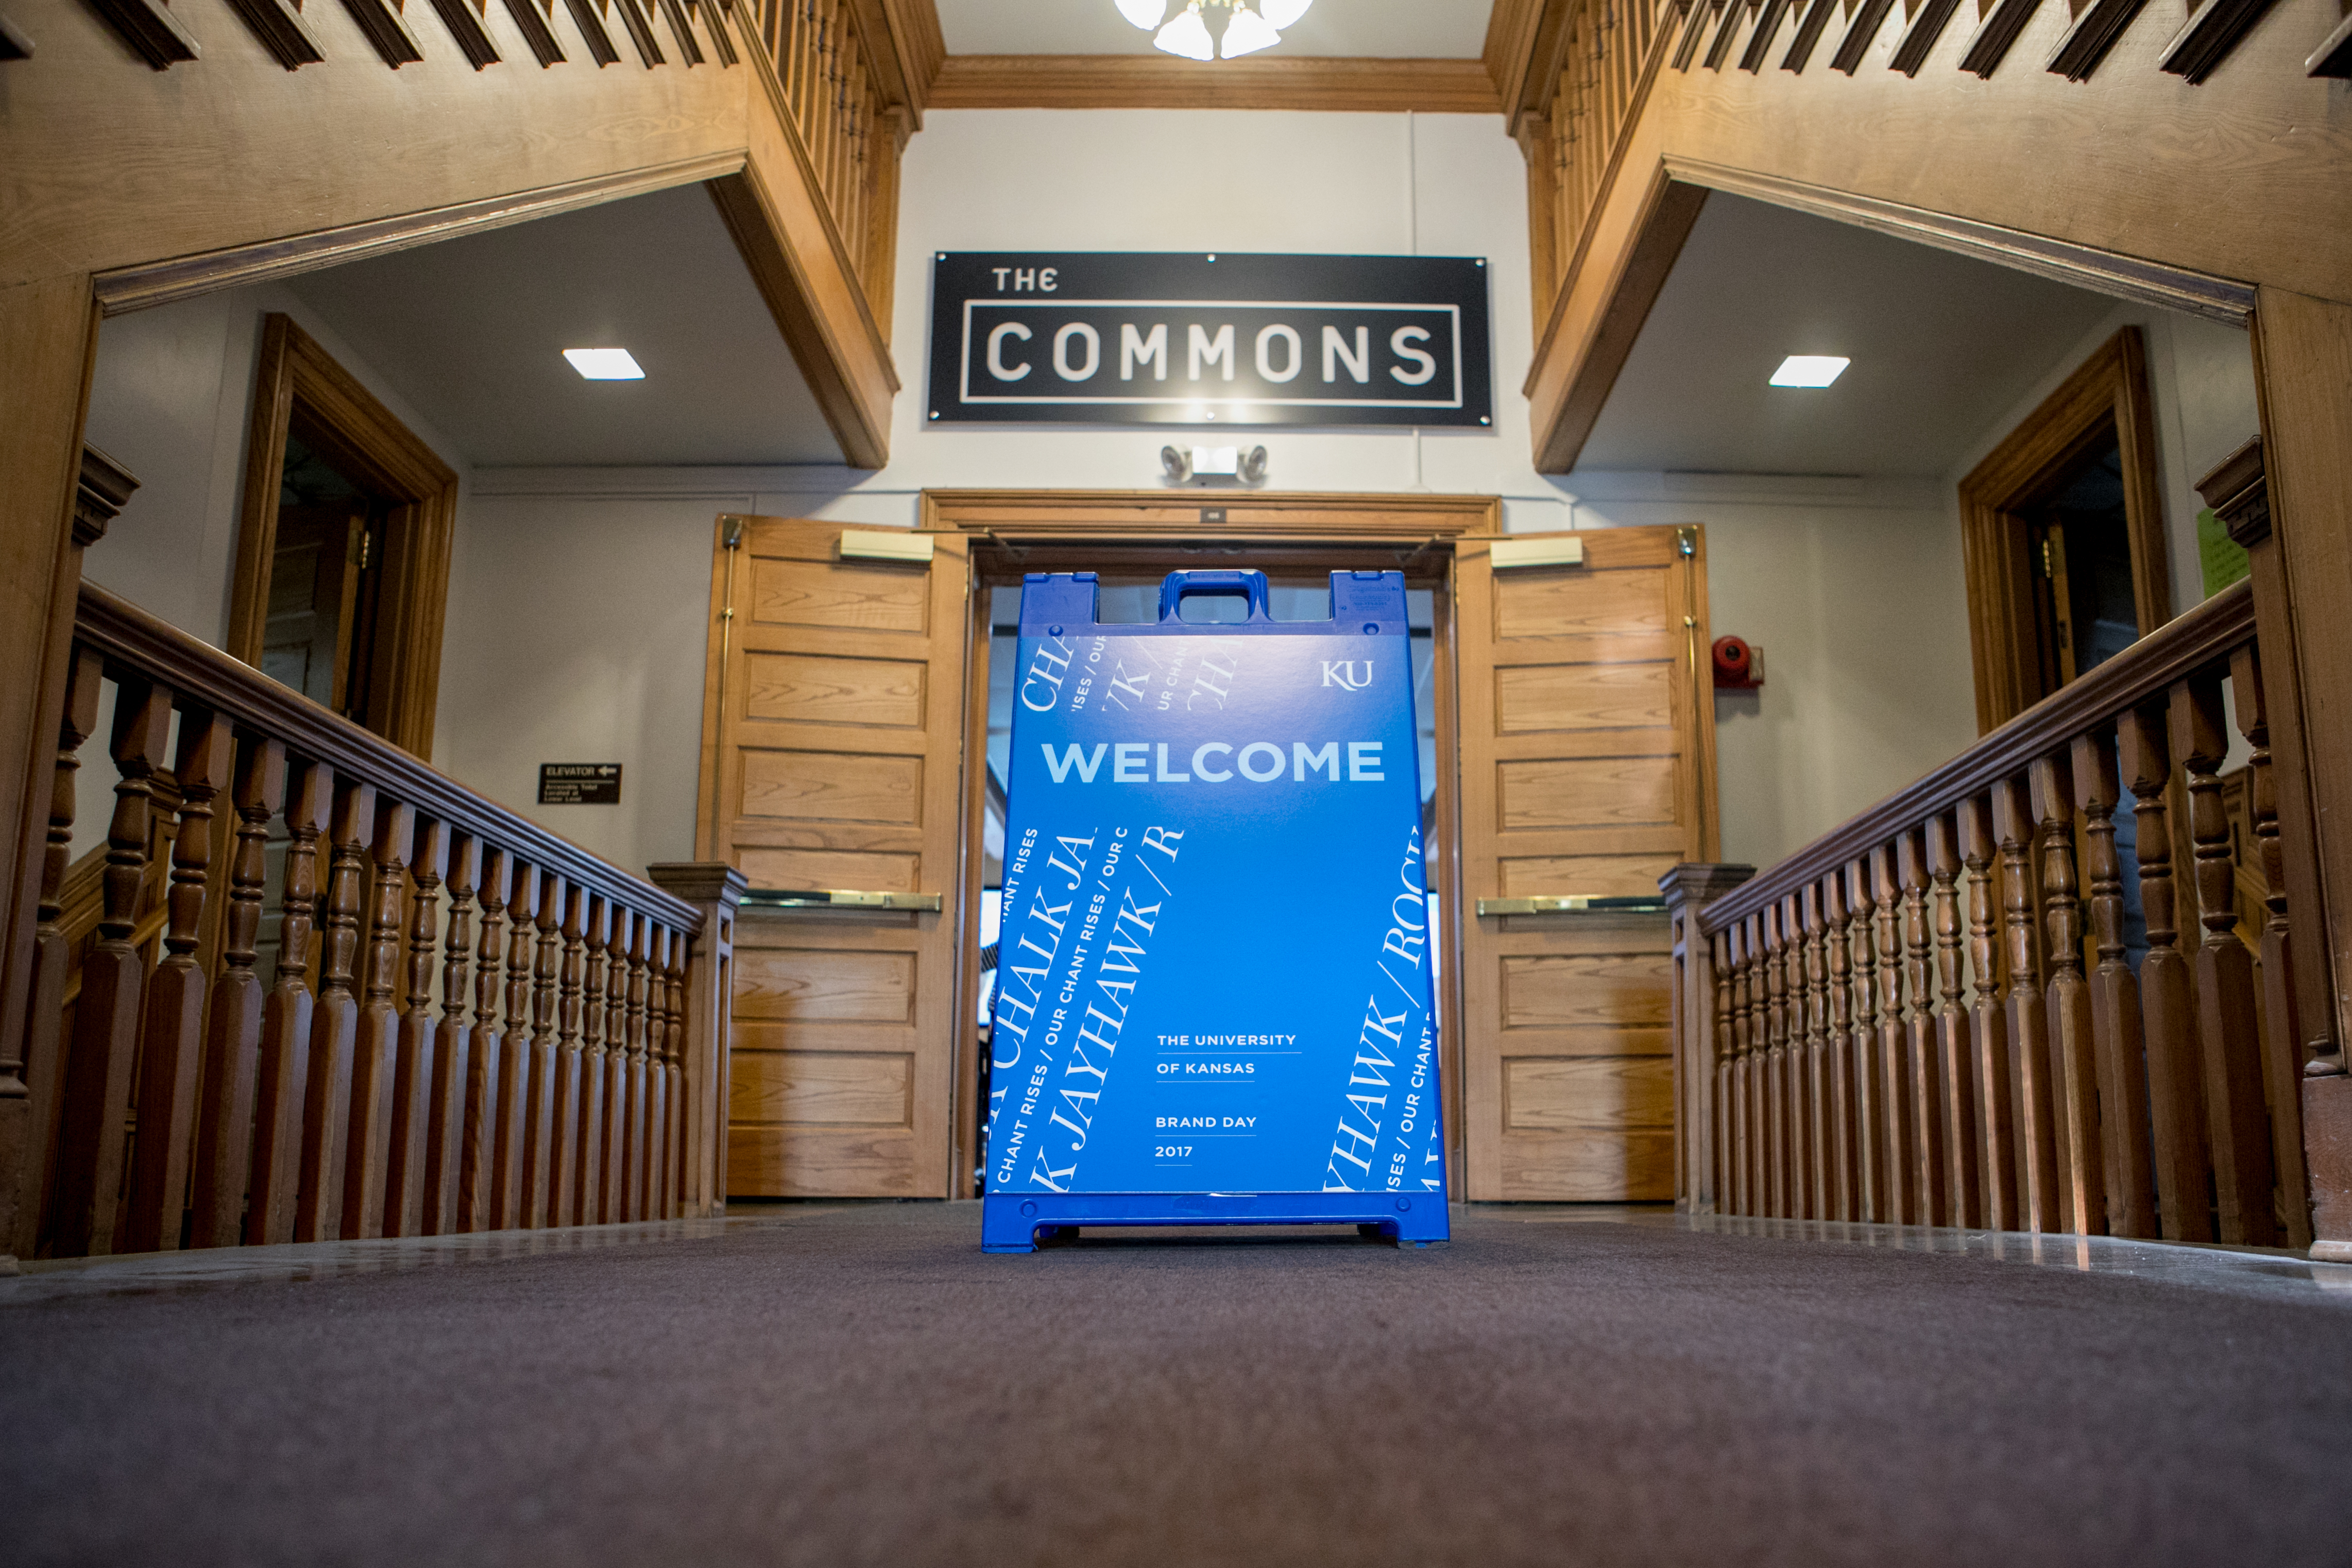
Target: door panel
point(1587, 764)
point(832, 727)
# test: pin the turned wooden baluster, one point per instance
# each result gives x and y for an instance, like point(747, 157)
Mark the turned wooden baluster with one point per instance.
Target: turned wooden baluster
point(2074, 1060)
point(1898, 1154)
point(406, 1198)
point(538, 1125)
point(1725, 1045)
point(2237, 1120)
point(282, 1089)
point(1797, 1181)
point(563, 1179)
point(1869, 1087)
point(2029, 1014)
point(2000, 1167)
point(588, 1131)
point(673, 1069)
point(2176, 1088)
point(1818, 1134)
point(2115, 1000)
point(1735, 1072)
point(224, 1115)
point(1955, 1066)
point(1779, 1133)
point(375, 1040)
point(1751, 1060)
point(613, 1151)
point(2281, 1014)
point(171, 1042)
point(479, 1183)
point(43, 1067)
point(619, 1151)
point(671, 1097)
point(1845, 1193)
point(1923, 1062)
point(97, 1087)
point(453, 1050)
point(334, 1023)
point(640, 1076)
point(657, 1106)
point(507, 1211)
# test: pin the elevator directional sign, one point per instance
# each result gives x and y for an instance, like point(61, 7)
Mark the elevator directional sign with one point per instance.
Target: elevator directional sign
point(1213, 999)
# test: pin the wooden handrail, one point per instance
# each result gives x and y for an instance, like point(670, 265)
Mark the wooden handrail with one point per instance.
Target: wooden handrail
point(202, 673)
point(1939, 1013)
point(2144, 672)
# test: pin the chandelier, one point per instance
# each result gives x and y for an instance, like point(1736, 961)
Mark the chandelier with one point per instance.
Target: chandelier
point(1249, 24)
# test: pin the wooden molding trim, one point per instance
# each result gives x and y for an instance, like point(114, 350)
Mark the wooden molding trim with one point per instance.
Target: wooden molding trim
point(1019, 515)
point(2196, 641)
point(2109, 391)
point(365, 437)
point(1568, 399)
point(2106, 272)
point(128, 288)
point(1515, 30)
point(1164, 81)
point(105, 487)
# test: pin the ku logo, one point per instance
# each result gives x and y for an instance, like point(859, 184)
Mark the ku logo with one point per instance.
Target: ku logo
point(1342, 672)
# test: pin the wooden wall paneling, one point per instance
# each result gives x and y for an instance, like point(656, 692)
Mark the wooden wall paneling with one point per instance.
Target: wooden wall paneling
point(1572, 755)
point(2304, 363)
point(838, 718)
point(47, 336)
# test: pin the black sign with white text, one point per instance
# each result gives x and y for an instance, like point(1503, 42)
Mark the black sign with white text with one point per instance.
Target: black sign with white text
point(579, 784)
point(1122, 338)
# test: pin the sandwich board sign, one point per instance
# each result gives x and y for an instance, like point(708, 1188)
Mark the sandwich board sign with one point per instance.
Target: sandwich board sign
point(1213, 998)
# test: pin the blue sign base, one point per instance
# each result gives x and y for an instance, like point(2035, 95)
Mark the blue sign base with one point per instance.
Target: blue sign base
point(1011, 1222)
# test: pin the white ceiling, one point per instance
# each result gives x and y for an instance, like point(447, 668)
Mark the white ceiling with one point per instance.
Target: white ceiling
point(1382, 29)
point(472, 332)
point(1942, 347)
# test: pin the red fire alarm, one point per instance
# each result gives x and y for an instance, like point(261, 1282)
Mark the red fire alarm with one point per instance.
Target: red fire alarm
point(1739, 665)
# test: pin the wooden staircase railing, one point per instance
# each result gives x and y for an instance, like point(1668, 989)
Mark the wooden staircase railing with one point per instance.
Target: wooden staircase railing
point(1927, 1016)
point(572, 1072)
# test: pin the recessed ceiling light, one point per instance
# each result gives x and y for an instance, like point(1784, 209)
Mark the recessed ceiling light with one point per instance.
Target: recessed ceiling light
point(1810, 369)
point(617, 365)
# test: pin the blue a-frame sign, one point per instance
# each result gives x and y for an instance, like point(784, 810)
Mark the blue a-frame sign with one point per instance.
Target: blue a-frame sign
point(1213, 998)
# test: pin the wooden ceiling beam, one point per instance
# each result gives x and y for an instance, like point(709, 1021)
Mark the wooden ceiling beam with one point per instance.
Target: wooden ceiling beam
point(1165, 81)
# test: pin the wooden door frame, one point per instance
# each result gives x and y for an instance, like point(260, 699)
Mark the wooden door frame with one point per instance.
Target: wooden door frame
point(2107, 393)
point(367, 439)
point(1013, 531)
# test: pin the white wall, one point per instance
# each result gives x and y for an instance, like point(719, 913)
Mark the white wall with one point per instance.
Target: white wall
point(1852, 590)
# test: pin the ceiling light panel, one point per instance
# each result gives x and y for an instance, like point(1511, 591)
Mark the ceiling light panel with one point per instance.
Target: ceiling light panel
point(605, 364)
point(1810, 369)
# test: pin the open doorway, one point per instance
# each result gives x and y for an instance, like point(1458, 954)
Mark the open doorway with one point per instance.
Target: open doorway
point(343, 562)
point(2062, 529)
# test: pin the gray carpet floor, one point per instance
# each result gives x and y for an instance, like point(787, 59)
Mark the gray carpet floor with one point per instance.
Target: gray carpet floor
point(864, 1387)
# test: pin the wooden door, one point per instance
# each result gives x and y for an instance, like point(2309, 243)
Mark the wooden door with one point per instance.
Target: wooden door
point(832, 716)
point(1588, 760)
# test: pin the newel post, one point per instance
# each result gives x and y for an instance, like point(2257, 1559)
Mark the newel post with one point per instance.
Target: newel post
point(1688, 890)
point(716, 889)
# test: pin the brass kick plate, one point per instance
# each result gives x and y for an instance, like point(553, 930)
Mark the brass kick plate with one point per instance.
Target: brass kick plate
point(838, 898)
point(1571, 904)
